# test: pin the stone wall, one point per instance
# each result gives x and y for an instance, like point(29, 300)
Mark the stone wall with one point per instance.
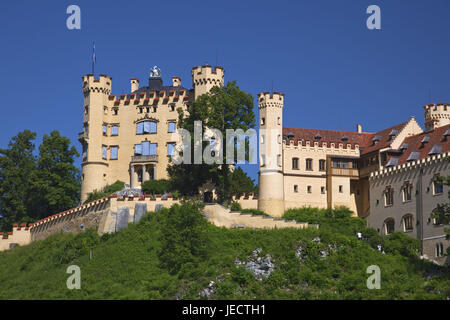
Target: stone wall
point(19, 236)
point(249, 201)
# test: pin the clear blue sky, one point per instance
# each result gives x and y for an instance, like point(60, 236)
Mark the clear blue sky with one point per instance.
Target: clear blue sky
point(334, 71)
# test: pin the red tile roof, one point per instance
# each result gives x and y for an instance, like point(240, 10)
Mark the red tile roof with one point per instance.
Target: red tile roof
point(364, 140)
point(385, 140)
point(415, 143)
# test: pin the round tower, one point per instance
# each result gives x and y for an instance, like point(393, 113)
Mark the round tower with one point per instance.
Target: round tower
point(204, 78)
point(436, 115)
point(94, 166)
point(271, 191)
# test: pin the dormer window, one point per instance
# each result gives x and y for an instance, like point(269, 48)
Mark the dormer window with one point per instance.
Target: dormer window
point(425, 139)
point(318, 137)
point(404, 146)
point(413, 156)
point(393, 133)
point(393, 161)
point(344, 138)
point(437, 149)
point(376, 139)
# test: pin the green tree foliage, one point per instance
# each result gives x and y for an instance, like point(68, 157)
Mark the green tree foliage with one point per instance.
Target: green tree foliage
point(56, 182)
point(442, 212)
point(106, 191)
point(223, 108)
point(156, 186)
point(241, 182)
point(17, 165)
point(184, 236)
point(33, 187)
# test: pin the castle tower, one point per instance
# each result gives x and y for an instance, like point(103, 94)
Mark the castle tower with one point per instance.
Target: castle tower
point(94, 166)
point(204, 78)
point(436, 115)
point(271, 193)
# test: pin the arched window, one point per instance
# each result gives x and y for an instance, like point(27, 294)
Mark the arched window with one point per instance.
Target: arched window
point(389, 226)
point(144, 127)
point(408, 222)
point(388, 196)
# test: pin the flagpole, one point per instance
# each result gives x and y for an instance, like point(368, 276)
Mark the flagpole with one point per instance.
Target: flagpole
point(93, 59)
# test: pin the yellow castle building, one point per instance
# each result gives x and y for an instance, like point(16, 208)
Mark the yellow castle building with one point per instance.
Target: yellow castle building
point(129, 137)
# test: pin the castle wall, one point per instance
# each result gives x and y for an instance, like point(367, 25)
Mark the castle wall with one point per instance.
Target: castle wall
point(316, 179)
point(247, 202)
point(421, 175)
point(19, 236)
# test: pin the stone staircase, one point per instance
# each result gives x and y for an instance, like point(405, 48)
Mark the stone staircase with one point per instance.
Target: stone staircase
point(224, 217)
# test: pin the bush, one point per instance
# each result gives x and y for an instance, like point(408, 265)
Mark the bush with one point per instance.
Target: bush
point(106, 191)
point(156, 186)
point(184, 236)
point(236, 206)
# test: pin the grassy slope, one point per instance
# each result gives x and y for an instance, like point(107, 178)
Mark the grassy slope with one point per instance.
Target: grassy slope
point(125, 265)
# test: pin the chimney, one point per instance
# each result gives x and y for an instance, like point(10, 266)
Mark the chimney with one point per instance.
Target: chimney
point(359, 128)
point(134, 84)
point(176, 81)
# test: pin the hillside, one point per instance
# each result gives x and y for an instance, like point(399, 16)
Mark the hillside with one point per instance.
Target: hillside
point(210, 262)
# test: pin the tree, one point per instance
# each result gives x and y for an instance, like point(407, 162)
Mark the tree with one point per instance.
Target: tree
point(17, 164)
point(184, 237)
point(442, 212)
point(226, 107)
point(56, 182)
point(241, 182)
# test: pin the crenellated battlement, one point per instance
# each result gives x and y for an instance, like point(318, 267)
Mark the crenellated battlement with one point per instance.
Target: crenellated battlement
point(409, 166)
point(320, 146)
point(206, 75)
point(19, 236)
point(151, 98)
point(266, 99)
point(436, 115)
point(102, 84)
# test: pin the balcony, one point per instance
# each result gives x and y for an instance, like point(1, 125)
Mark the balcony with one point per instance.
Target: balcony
point(83, 137)
point(345, 172)
point(144, 159)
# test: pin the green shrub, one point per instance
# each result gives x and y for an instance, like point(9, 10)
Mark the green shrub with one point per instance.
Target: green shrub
point(106, 191)
point(235, 206)
point(156, 186)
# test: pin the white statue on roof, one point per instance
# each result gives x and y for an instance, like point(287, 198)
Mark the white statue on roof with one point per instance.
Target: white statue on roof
point(155, 72)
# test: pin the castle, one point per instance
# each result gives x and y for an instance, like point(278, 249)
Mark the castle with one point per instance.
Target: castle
point(129, 137)
point(389, 177)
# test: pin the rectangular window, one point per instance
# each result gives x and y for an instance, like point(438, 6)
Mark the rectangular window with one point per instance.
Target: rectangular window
point(295, 164)
point(138, 149)
point(104, 129)
point(170, 149)
point(309, 189)
point(147, 128)
point(153, 149)
point(146, 148)
point(322, 190)
point(322, 165)
point(85, 147)
point(140, 128)
point(309, 164)
point(115, 131)
point(171, 127)
point(114, 152)
point(406, 192)
point(408, 222)
point(104, 150)
point(341, 189)
point(295, 188)
point(438, 188)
